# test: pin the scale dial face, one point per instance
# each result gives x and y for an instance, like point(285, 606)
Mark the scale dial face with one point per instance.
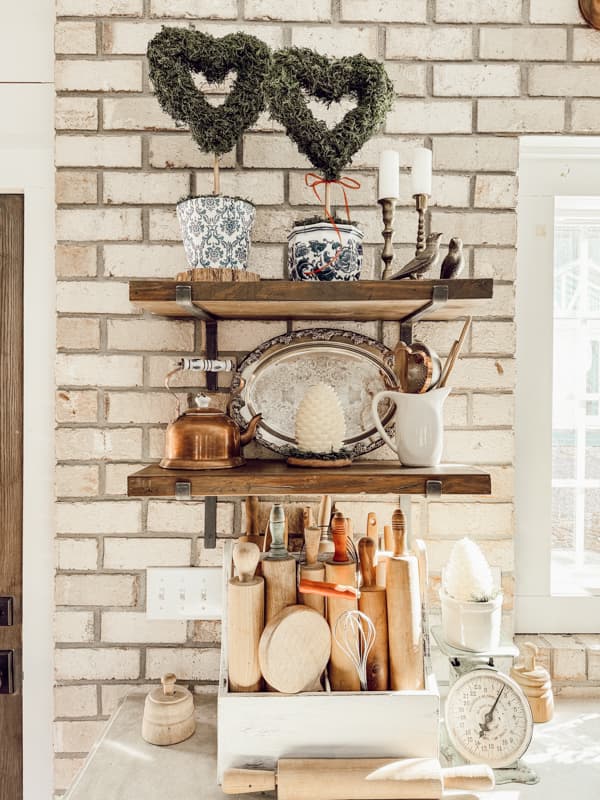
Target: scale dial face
point(488, 718)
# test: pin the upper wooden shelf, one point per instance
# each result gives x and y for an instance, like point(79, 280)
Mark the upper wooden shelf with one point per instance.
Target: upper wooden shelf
point(278, 299)
point(277, 478)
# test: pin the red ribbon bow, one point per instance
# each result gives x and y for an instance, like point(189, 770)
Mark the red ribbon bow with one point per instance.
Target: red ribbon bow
point(312, 180)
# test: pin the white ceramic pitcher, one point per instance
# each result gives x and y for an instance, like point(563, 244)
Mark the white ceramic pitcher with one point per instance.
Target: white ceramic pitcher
point(419, 425)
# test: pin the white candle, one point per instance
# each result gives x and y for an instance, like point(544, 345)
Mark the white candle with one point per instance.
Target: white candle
point(421, 171)
point(389, 174)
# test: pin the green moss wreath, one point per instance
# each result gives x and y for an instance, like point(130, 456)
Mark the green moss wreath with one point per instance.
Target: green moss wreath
point(175, 53)
point(297, 74)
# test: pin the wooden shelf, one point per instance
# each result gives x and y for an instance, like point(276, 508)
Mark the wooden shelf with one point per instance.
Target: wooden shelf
point(277, 478)
point(278, 299)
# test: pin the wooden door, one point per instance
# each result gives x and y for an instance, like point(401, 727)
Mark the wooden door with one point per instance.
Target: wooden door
point(11, 492)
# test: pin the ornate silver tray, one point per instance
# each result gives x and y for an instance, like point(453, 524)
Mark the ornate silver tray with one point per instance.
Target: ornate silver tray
point(273, 378)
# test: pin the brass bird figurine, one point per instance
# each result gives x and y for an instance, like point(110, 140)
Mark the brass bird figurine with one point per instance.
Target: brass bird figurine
point(424, 260)
point(454, 263)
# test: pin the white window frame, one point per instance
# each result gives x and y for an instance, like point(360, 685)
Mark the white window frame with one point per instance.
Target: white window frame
point(549, 167)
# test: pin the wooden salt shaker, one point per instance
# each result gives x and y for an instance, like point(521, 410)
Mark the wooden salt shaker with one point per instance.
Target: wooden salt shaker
point(245, 620)
point(372, 603)
point(405, 629)
point(342, 673)
point(313, 569)
point(278, 568)
point(535, 682)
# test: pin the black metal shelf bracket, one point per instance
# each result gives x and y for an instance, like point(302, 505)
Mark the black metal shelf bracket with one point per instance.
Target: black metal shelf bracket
point(183, 298)
point(210, 523)
point(183, 491)
point(433, 489)
point(439, 298)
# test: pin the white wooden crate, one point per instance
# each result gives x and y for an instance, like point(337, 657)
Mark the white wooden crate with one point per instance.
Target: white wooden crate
point(257, 729)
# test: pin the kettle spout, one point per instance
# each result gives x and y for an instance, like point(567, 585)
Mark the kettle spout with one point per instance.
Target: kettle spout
point(247, 435)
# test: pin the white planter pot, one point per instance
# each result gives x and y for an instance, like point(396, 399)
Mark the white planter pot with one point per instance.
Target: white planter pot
point(216, 231)
point(419, 422)
point(313, 248)
point(471, 626)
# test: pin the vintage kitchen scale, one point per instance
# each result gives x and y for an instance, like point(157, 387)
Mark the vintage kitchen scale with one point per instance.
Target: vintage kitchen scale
point(487, 718)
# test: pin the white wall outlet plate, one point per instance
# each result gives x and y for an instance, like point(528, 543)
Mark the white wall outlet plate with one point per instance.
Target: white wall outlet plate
point(184, 592)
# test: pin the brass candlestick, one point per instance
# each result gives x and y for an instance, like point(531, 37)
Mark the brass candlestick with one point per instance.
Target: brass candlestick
point(388, 210)
point(421, 202)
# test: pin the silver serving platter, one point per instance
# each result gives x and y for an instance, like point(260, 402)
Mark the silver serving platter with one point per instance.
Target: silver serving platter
point(273, 378)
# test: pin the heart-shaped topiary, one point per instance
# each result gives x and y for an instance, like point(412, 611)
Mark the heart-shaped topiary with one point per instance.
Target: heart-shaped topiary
point(175, 53)
point(297, 74)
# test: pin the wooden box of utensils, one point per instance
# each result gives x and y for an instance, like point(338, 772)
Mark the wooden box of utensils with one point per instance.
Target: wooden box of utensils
point(257, 728)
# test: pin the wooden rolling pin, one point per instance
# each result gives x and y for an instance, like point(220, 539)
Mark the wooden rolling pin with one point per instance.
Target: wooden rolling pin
point(307, 518)
point(278, 568)
point(419, 549)
point(342, 673)
point(313, 570)
point(245, 620)
point(252, 534)
point(372, 529)
point(404, 612)
point(372, 603)
point(382, 557)
point(325, 545)
point(359, 779)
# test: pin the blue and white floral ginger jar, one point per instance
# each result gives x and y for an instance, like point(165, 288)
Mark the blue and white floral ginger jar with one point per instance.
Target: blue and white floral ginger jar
point(216, 231)
point(312, 251)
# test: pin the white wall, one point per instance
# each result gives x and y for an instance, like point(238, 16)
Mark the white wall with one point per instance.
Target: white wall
point(26, 165)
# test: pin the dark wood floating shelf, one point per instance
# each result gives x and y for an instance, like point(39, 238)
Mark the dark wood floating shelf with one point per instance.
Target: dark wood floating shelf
point(277, 478)
point(279, 299)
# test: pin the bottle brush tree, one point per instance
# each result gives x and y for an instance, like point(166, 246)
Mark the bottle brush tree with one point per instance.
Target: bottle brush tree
point(467, 576)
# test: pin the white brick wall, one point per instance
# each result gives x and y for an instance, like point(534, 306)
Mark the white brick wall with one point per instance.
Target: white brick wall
point(470, 77)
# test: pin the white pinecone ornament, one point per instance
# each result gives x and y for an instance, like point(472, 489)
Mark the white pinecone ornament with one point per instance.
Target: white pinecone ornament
point(320, 423)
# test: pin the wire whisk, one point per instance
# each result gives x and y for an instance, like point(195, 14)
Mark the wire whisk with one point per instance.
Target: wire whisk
point(355, 634)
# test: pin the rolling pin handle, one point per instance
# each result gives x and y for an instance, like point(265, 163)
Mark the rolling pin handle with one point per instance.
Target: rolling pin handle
point(247, 781)
point(399, 532)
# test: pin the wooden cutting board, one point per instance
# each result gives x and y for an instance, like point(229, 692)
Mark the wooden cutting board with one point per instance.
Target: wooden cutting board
point(294, 650)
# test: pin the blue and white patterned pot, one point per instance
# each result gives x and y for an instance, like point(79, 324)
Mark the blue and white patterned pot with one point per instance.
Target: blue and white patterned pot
point(311, 249)
point(216, 231)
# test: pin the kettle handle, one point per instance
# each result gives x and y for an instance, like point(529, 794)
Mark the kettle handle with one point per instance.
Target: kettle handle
point(377, 419)
point(168, 377)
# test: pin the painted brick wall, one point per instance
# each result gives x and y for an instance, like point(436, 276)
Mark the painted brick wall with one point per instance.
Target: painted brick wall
point(470, 76)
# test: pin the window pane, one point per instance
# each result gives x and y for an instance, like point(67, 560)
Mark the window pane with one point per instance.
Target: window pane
point(576, 398)
point(563, 519)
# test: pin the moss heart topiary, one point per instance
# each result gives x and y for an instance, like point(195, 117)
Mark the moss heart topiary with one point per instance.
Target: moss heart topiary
point(297, 74)
point(175, 53)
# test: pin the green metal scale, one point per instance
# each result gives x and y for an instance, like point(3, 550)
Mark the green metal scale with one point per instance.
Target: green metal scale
point(487, 718)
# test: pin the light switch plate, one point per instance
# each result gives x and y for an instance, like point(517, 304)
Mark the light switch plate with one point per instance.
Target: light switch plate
point(184, 592)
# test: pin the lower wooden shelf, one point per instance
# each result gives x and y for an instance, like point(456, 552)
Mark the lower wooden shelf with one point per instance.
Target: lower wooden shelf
point(277, 478)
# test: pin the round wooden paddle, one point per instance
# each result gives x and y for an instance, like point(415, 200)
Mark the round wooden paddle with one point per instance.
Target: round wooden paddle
point(294, 650)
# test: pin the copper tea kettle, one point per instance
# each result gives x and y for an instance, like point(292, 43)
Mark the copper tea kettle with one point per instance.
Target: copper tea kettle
point(206, 438)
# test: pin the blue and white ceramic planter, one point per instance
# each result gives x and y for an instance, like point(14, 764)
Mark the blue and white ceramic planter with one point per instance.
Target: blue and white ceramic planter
point(312, 248)
point(216, 231)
